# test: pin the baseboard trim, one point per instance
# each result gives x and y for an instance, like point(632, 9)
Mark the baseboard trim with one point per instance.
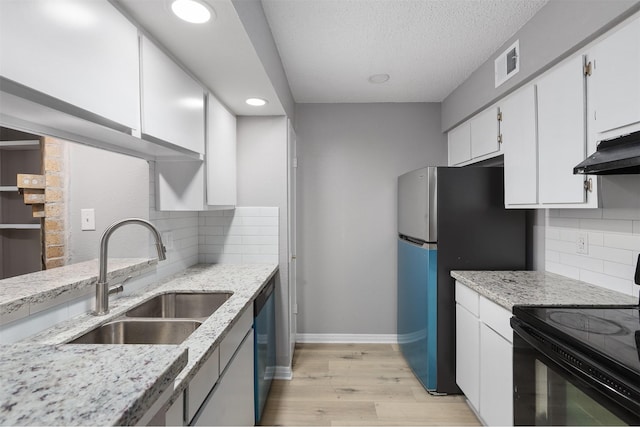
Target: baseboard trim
point(347, 338)
point(283, 373)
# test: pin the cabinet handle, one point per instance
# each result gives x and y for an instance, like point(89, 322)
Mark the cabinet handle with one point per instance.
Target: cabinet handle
point(500, 139)
point(588, 69)
point(588, 185)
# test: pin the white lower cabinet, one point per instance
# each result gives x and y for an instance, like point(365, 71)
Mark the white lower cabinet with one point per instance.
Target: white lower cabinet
point(496, 378)
point(467, 354)
point(231, 401)
point(484, 356)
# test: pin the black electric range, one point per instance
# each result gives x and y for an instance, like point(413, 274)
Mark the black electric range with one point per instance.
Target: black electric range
point(577, 364)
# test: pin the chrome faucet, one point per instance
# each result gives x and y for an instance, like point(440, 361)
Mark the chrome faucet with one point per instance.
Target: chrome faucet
point(102, 287)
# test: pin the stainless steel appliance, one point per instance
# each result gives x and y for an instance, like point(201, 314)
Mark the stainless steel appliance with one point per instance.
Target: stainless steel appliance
point(577, 365)
point(448, 219)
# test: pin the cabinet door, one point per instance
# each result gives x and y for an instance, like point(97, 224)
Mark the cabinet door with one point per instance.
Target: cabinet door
point(484, 133)
point(84, 53)
point(221, 155)
point(496, 378)
point(615, 79)
point(459, 144)
point(172, 102)
point(519, 144)
point(231, 402)
point(468, 355)
point(561, 133)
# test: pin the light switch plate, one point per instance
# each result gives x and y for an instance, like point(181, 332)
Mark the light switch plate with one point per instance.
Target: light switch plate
point(88, 219)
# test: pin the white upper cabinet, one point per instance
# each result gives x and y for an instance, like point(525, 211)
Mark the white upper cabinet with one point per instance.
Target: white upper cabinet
point(484, 133)
point(221, 155)
point(83, 53)
point(561, 133)
point(519, 144)
point(615, 80)
point(172, 102)
point(459, 144)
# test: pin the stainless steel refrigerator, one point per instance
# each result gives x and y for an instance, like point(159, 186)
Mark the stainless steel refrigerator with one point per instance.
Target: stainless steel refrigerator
point(448, 219)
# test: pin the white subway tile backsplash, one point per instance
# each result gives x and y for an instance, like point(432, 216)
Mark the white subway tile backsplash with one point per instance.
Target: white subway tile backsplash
point(260, 240)
point(624, 241)
point(563, 222)
point(607, 281)
point(582, 262)
point(621, 256)
point(606, 225)
point(595, 238)
point(623, 271)
point(560, 246)
point(243, 235)
point(579, 213)
point(563, 270)
point(552, 256)
point(613, 234)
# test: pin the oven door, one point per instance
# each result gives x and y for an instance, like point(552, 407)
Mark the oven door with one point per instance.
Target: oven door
point(551, 389)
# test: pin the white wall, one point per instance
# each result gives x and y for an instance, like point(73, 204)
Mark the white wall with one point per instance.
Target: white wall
point(349, 158)
point(116, 187)
point(613, 237)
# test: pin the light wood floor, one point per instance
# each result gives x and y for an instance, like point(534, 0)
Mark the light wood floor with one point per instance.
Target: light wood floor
point(358, 385)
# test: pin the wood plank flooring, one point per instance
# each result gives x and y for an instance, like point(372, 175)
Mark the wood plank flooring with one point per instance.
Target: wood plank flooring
point(358, 385)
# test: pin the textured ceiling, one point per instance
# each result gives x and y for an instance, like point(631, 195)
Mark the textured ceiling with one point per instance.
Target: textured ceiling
point(329, 48)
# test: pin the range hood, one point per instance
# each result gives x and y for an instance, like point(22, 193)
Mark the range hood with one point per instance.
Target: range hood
point(617, 156)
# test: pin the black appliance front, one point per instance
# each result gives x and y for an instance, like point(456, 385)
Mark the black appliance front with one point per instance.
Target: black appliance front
point(576, 365)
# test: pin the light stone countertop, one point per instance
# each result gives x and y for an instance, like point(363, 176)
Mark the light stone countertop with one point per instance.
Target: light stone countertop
point(22, 293)
point(509, 288)
point(84, 385)
point(245, 281)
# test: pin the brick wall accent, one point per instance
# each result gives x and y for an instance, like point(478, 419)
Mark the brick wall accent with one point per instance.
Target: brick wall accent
point(54, 241)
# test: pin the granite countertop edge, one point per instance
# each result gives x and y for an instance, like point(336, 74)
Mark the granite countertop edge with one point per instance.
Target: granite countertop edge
point(509, 288)
point(46, 285)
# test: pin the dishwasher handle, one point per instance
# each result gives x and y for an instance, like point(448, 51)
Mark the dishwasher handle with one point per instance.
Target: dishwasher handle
point(263, 297)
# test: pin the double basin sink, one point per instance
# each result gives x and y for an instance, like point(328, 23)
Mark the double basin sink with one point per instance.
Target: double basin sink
point(168, 318)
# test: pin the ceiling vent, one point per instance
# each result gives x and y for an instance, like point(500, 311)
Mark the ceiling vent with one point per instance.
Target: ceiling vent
point(507, 64)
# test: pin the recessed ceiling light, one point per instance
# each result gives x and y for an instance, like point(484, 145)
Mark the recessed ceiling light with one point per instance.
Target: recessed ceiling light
point(256, 102)
point(192, 11)
point(378, 78)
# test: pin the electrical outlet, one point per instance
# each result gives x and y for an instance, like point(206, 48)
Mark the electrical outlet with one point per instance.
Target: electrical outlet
point(87, 219)
point(167, 240)
point(582, 243)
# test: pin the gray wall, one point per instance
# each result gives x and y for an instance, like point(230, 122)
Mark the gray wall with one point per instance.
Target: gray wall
point(558, 29)
point(262, 181)
point(349, 157)
point(117, 187)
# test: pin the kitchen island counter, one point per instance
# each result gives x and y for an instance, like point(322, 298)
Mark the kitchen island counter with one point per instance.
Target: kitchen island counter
point(509, 288)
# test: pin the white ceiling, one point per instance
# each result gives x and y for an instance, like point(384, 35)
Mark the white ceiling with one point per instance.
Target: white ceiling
point(329, 48)
point(218, 53)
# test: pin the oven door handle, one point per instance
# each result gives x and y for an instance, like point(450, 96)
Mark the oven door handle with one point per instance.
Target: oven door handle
point(581, 366)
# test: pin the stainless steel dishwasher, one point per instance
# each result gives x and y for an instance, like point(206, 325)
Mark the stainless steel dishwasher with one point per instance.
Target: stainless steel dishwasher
point(264, 325)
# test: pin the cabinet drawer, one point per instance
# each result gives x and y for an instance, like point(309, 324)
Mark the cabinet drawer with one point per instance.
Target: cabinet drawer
point(202, 383)
point(497, 318)
point(230, 343)
point(467, 298)
point(175, 413)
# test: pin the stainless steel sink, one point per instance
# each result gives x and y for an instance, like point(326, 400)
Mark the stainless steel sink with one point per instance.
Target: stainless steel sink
point(130, 331)
point(180, 305)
